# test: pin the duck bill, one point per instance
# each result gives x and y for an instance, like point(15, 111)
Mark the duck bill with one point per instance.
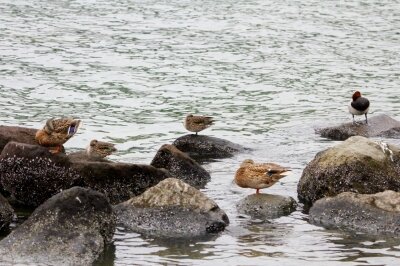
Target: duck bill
point(285, 173)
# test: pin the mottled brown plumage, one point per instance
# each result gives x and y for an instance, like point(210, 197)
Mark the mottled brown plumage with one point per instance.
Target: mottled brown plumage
point(56, 132)
point(259, 175)
point(197, 123)
point(100, 149)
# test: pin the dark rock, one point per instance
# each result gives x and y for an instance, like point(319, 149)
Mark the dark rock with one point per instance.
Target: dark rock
point(17, 134)
point(6, 214)
point(378, 126)
point(202, 146)
point(266, 206)
point(31, 174)
point(119, 181)
point(181, 166)
point(356, 165)
point(71, 228)
point(373, 214)
point(172, 209)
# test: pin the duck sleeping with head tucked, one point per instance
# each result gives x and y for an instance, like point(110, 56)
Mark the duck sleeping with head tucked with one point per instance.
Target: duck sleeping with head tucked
point(259, 175)
point(56, 132)
point(197, 123)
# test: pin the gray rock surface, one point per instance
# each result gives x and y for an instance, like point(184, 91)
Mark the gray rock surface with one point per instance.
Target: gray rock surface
point(356, 165)
point(71, 228)
point(378, 126)
point(202, 146)
point(373, 214)
point(31, 174)
point(266, 206)
point(6, 214)
point(18, 134)
point(181, 166)
point(172, 209)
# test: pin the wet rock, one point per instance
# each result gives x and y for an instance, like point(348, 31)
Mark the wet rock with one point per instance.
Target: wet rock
point(174, 209)
point(356, 165)
point(202, 146)
point(17, 134)
point(266, 206)
point(31, 174)
point(374, 214)
point(6, 214)
point(181, 166)
point(119, 181)
point(70, 228)
point(378, 126)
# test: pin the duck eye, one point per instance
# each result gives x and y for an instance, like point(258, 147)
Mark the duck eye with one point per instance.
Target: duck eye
point(269, 173)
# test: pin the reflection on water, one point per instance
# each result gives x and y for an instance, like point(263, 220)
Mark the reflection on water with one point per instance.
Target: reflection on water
point(270, 72)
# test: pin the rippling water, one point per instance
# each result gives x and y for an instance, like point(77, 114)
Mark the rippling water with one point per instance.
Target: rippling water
point(269, 71)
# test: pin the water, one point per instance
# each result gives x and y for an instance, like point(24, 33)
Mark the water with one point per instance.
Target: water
point(269, 71)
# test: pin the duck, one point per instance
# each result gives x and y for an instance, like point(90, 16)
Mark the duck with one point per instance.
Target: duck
point(56, 132)
point(100, 149)
point(259, 175)
point(197, 123)
point(359, 106)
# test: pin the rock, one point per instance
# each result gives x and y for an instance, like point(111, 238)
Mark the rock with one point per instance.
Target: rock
point(374, 214)
point(356, 165)
point(119, 181)
point(174, 209)
point(378, 126)
point(17, 134)
point(71, 228)
point(181, 166)
point(6, 214)
point(266, 206)
point(202, 146)
point(31, 174)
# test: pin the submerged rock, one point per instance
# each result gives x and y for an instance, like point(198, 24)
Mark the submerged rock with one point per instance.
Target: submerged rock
point(374, 214)
point(357, 165)
point(18, 134)
point(181, 166)
point(71, 228)
point(173, 209)
point(31, 174)
point(202, 146)
point(266, 206)
point(6, 214)
point(378, 126)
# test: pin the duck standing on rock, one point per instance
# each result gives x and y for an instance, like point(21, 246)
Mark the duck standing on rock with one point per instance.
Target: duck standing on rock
point(197, 123)
point(359, 106)
point(56, 132)
point(259, 175)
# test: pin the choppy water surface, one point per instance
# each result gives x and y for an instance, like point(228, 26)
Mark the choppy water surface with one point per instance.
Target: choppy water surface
point(269, 71)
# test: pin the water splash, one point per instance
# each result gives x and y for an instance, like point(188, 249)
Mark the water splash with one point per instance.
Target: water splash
point(385, 149)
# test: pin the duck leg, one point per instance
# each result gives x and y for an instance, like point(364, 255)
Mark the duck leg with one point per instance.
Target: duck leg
point(257, 191)
point(366, 119)
point(354, 121)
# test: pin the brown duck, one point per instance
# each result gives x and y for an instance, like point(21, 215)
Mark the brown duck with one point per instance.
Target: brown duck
point(259, 175)
point(197, 123)
point(56, 132)
point(100, 149)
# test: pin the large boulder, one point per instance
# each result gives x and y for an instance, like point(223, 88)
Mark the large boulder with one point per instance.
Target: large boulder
point(172, 209)
point(266, 206)
point(378, 126)
point(18, 134)
point(31, 174)
point(181, 166)
point(374, 214)
point(71, 228)
point(356, 165)
point(202, 146)
point(6, 214)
